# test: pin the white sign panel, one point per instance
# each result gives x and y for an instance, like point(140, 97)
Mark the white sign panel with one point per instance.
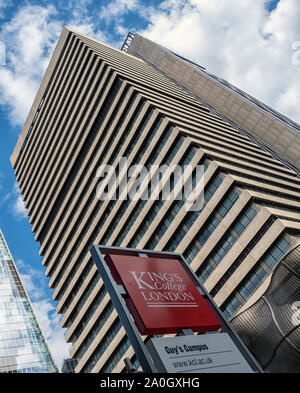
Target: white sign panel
point(209, 353)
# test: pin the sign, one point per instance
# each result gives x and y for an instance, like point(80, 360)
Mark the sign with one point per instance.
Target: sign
point(158, 292)
point(208, 353)
point(162, 296)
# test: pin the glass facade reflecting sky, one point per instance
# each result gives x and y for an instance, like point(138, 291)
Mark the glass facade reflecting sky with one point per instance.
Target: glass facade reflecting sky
point(22, 345)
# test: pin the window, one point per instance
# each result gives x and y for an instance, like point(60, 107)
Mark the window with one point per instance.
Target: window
point(212, 223)
point(255, 278)
point(228, 241)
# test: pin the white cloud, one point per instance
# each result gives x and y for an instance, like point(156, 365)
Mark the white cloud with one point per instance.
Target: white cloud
point(18, 208)
point(34, 280)
point(239, 41)
point(82, 19)
point(13, 199)
point(4, 4)
point(29, 39)
point(36, 286)
point(50, 325)
point(4, 194)
point(89, 30)
point(115, 8)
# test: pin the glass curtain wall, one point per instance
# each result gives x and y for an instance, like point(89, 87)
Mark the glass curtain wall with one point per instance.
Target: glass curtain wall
point(22, 345)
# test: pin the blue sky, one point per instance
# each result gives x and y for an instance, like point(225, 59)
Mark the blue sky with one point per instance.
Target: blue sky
point(248, 43)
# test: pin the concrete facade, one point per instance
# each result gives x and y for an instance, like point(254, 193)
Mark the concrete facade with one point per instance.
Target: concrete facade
point(270, 128)
point(97, 104)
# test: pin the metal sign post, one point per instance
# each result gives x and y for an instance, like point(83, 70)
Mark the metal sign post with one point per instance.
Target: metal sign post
point(148, 354)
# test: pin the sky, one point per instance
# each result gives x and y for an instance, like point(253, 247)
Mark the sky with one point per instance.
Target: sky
point(253, 44)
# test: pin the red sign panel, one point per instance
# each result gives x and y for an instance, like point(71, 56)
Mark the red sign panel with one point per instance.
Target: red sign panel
point(162, 297)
